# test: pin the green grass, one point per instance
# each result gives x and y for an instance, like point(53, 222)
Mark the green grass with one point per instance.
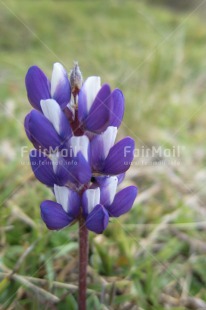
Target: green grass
point(150, 258)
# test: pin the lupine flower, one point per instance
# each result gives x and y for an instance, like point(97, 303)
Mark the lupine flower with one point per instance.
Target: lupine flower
point(101, 203)
point(75, 152)
point(98, 107)
point(39, 87)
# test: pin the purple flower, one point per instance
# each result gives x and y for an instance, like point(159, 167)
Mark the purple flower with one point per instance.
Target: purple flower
point(101, 203)
point(65, 211)
point(39, 87)
point(94, 105)
point(109, 158)
point(49, 130)
point(50, 171)
point(98, 107)
point(75, 153)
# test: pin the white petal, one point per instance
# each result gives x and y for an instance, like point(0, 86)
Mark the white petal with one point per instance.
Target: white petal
point(80, 144)
point(52, 111)
point(62, 196)
point(93, 198)
point(108, 190)
point(91, 87)
point(108, 138)
point(55, 158)
point(58, 75)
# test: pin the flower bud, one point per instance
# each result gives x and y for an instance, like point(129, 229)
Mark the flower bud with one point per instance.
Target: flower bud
point(76, 79)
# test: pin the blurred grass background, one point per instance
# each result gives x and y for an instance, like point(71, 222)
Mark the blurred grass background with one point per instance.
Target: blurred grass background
point(153, 257)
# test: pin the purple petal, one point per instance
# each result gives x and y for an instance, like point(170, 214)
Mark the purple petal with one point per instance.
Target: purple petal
point(84, 169)
point(82, 108)
point(42, 131)
point(27, 130)
point(60, 86)
point(99, 114)
point(79, 159)
point(69, 200)
point(56, 116)
point(101, 179)
point(37, 86)
point(61, 170)
point(118, 108)
point(74, 169)
point(97, 220)
point(42, 168)
point(100, 147)
point(54, 215)
point(87, 95)
point(120, 157)
point(121, 178)
point(123, 201)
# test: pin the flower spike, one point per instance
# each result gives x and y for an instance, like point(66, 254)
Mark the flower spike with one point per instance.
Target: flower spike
point(73, 128)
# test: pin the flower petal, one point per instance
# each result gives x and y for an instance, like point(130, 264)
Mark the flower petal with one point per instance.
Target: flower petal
point(121, 177)
point(100, 147)
point(80, 144)
point(41, 131)
point(42, 168)
point(83, 169)
point(108, 190)
point(69, 200)
point(60, 86)
point(79, 159)
point(123, 201)
point(90, 198)
point(37, 86)
point(99, 114)
point(120, 157)
point(118, 108)
point(56, 116)
point(87, 95)
point(100, 180)
point(78, 170)
point(60, 168)
point(27, 130)
point(97, 220)
point(54, 215)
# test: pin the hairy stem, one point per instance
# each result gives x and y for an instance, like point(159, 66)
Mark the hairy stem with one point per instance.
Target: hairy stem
point(83, 260)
